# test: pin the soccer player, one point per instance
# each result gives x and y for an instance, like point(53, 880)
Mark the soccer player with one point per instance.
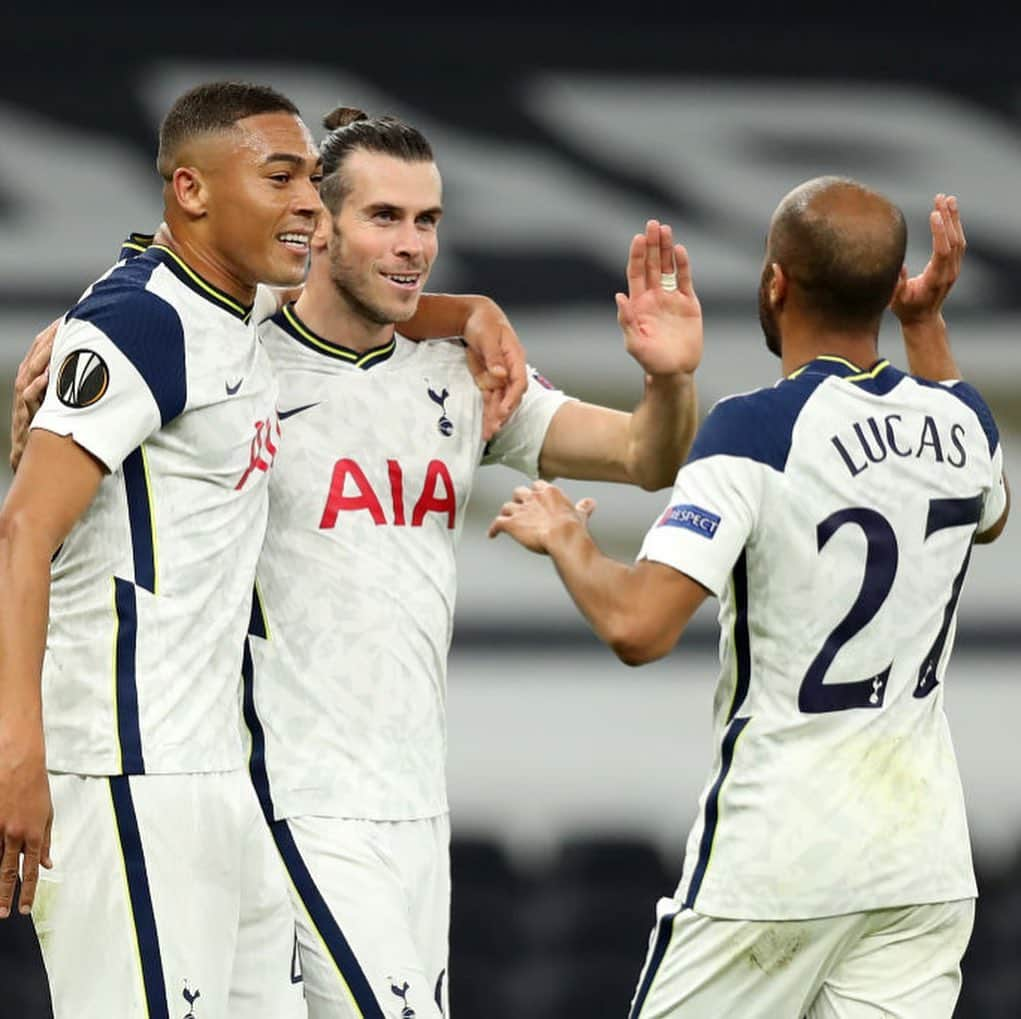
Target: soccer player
point(829, 872)
point(144, 485)
point(345, 672)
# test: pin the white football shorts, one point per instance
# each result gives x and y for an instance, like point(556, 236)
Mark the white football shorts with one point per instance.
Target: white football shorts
point(372, 902)
point(166, 901)
point(902, 963)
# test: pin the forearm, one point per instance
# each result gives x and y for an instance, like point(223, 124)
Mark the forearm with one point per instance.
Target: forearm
point(928, 349)
point(441, 315)
point(661, 430)
point(24, 605)
point(605, 590)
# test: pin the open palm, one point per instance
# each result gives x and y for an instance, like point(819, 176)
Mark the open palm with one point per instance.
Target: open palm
point(663, 328)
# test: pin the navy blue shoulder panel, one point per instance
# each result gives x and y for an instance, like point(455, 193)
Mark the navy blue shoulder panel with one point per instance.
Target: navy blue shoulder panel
point(757, 425)
point(144, 327)
point(967, 393)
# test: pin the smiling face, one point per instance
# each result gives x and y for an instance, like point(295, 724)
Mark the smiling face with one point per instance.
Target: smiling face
point(384, 240)
point(262, 202)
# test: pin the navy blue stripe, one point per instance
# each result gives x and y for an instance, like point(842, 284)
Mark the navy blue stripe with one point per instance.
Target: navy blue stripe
point(325, 923)
point(257, 620)
point(129, 731)
point(666, 931)
point(742, 638)
point(316, 905)
point(141, 899)
point(136, 487)
point(257, 755)
point(712, 810)
point(144, 327)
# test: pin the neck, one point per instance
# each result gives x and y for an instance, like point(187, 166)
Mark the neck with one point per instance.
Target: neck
point(200, 257)
point(802, 342)
point(329, 314)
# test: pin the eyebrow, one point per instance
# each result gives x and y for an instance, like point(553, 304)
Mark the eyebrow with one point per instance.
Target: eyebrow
point(436, 210)
point(288, 157)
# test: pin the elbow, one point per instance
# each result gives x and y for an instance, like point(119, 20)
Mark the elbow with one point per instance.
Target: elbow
point(634, 644)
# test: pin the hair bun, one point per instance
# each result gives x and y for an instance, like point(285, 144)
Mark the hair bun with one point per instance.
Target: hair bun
point(342, 116)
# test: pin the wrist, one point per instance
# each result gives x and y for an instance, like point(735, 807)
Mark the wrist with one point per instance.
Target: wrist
point(922, 323)
point(562, 533)
point(669, 380)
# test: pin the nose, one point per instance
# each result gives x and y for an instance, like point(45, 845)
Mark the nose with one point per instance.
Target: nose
point(306, 199)
point(408, 241)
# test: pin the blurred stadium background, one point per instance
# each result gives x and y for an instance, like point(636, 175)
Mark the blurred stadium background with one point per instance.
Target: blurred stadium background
point(573, 779)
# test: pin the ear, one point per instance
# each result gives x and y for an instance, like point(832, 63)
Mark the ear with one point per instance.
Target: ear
point(190, 190)
point(778, 285)
point(324, 228)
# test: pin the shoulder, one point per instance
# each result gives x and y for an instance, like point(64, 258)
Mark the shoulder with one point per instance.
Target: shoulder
point(973, 400)
point(144, 327)
point(757, 425)
point(121, 307)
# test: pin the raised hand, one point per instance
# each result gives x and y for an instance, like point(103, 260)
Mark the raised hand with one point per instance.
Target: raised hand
point(921, 297)
point(534, 513)
point(662, 327)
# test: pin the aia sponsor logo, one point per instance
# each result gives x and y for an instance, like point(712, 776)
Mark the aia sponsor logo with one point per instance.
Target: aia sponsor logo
point(351, 491)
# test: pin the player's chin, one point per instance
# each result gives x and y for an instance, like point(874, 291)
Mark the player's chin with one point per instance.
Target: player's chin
point(289, 271)
point(401, 311)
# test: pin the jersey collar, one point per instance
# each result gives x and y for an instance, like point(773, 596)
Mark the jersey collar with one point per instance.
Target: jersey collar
point(831, 364)
point(191, 279)
point(288, 320)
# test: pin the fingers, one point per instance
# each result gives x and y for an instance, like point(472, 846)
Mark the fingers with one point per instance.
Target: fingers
point(9, 872)
point(44, 850)
point(636, 282)
point(35, 392)
point(682, 266)
point(29, 879)
point(492, 420)
point(514, 370)
point(653, 261)
point(585, 507)
point(666, 249)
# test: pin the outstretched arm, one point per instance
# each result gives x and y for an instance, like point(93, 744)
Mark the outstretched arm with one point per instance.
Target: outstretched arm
point(918, 300)
point(640, 611)
point(662, 327)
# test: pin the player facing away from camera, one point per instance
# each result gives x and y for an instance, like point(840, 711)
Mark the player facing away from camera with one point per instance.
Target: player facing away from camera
point(829, 872)
point(345, 674)
point(144, 480)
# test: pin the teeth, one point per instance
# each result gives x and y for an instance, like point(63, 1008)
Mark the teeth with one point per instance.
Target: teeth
point(403, 279)
point(294, 238)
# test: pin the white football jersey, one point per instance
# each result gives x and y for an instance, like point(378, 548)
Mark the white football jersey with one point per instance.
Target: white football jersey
point(356, 582)
point(161, 377)
point(833, 516)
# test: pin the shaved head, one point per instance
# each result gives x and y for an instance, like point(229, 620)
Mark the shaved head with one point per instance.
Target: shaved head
point(842, 246)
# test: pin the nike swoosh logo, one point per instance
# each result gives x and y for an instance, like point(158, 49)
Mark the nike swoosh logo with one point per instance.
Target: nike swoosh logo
point(282, 414)
point(231, 390)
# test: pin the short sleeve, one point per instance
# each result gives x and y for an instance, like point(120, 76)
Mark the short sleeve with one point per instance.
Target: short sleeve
point(117, 374)
point(519, 443)
point(996, 499)
point(713, 509)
